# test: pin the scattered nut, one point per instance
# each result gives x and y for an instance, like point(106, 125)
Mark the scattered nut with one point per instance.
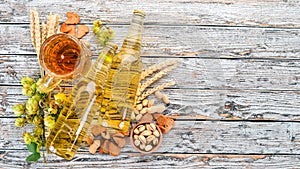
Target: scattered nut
point(158, 109)
point(139, 107)
point(89, 139)
point(114, 150)
point(93, 148)
point(119, 139)
point(97, 130)
point(145, 102)
point(105, 135)
point(150, 103)
point(138, 117)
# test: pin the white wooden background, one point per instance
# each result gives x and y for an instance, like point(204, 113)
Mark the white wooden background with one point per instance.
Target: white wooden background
point(237, 97)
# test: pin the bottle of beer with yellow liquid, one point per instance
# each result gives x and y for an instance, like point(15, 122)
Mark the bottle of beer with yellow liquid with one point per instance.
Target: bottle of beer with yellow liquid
point(79, 110)
point(123, 79)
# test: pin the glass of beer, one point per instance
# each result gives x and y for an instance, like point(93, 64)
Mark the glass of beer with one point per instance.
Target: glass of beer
point(63, 57)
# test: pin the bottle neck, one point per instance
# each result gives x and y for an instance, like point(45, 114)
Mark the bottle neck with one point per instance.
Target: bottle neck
point(133, 39)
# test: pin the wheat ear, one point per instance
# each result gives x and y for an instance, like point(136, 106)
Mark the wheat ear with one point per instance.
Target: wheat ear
point(156, 77)
point(150, 91)
point(157, 67)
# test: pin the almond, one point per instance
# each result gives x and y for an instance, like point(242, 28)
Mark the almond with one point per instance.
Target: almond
point(89, 139)
point(97, 130)
point(113, 149)
point(120, 141)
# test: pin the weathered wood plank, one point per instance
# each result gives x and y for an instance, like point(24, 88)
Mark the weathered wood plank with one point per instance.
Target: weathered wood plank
point(13, 159)
point(205, 104)
point(201, 73)
point(216, 137)
point(218, 12)
point(183, 41)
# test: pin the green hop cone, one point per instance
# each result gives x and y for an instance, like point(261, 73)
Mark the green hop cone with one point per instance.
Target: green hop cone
point(49, 122)
point(29, 118)
point(38, 131)
point(97, 25)
point(37, 120)
point(20, 122)
point(32, 105)
point(27, 138)
point(27, 81)
point(19, 109)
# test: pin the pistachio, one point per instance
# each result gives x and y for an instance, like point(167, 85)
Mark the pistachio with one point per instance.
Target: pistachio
point(142, 128)
point(136, 137)
point(137, 142)
point(156, 133)
point(142, 146)
point(145, 102)
point(148, 148)
point(136, 131)
point(146, 133)
point(150, 138)
point(132, 116)
point(155, 141)
point(152, 127)
point(142, 139)
point(148, 127)
point(139, 107)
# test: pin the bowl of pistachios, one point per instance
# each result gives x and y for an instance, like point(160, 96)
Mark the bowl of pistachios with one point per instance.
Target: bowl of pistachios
point(146, 137)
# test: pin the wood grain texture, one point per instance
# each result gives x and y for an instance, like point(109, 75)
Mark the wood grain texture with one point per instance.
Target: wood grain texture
point(217, 137)
point(205, 104)
point(183, 41)
point(202, 73)
point(236, 101)
point(13, 159)
point(188, 12)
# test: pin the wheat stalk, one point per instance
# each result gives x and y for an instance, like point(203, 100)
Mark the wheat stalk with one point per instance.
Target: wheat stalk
point(157, 67)
point(156, 77)
point(150, 91)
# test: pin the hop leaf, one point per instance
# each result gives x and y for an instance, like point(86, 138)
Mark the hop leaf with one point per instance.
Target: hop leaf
point(19, 109)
